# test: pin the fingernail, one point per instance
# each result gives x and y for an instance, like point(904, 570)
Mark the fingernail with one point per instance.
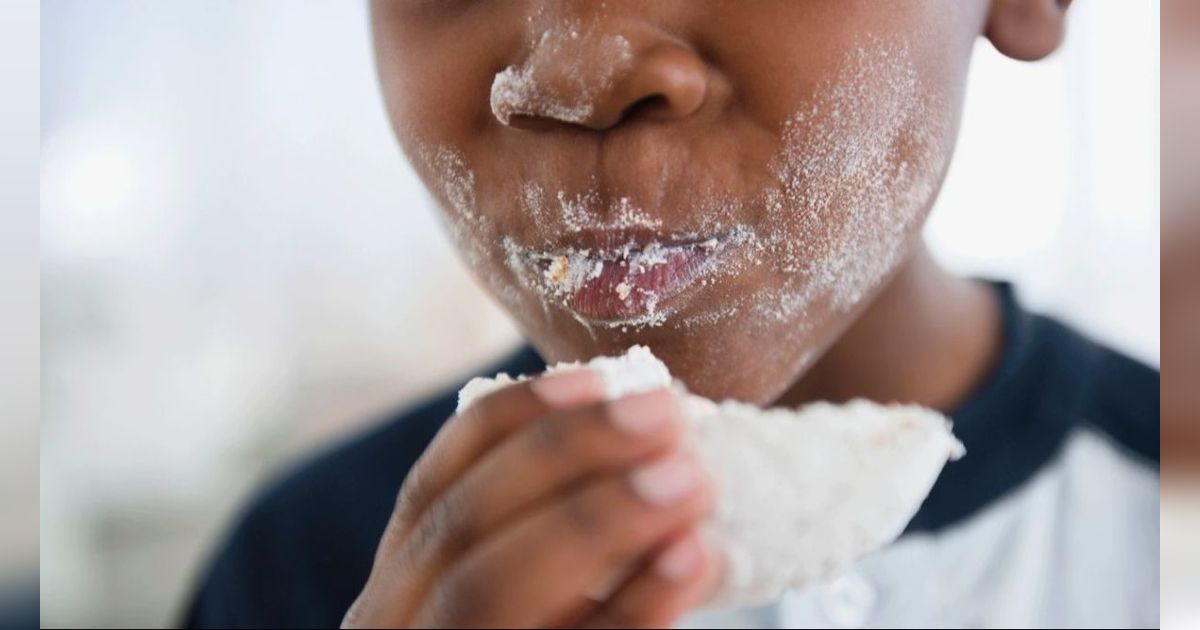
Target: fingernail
point(681, 560)
point(665, 481)
point(563, 389)
point(642, 413)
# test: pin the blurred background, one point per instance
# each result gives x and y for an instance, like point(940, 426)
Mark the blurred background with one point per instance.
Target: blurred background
point(238, 266)
point(18, 316)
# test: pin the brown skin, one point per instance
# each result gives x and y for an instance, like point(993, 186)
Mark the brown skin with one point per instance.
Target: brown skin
point(526, 505)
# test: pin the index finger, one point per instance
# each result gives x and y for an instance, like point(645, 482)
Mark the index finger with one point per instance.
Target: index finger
point(476, 429)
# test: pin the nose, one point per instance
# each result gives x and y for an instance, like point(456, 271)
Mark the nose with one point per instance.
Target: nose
point(668, 82)
point(599, 80)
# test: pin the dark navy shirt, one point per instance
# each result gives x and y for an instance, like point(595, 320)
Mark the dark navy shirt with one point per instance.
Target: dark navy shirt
point(300, 553)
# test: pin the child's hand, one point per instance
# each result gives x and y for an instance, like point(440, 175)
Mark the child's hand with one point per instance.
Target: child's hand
point(535, 497)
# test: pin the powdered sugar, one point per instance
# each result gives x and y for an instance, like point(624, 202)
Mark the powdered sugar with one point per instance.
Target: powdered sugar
point(547, 85)
point(583, 211)
point(802, 494)
point(558, 274)
point(856, 167)
point(473, 233)
point(845, 184)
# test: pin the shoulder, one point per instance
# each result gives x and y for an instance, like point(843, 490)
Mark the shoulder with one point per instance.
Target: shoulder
point(1050, 383)
point(300, 551)
point(1058, 489)
point(1054, 379)
point(1106, 391)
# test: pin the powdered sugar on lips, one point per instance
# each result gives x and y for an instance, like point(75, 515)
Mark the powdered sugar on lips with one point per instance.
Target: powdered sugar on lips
point(624, 286)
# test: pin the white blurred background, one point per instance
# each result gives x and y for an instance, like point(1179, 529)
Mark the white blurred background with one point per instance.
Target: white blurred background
point(238, 266)
point(18, 316)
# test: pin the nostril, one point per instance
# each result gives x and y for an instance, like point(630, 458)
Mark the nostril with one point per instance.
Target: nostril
point(538, 123)
point(646, 107)
point(532, 123)
point(655, 80)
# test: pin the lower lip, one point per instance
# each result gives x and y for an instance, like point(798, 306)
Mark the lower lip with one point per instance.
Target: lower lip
point(621, 293)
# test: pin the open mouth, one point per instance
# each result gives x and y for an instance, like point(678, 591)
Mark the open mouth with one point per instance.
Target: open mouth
point(625, 285)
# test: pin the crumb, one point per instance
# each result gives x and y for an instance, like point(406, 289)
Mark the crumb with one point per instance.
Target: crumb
point(556, 273)
point(623, 290)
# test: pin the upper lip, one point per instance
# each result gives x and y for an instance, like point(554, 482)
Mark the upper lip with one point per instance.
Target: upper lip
point(613, 243)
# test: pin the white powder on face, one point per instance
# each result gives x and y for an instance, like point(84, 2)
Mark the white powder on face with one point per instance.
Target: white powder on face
point(857, 165)
point(584, 211)
point(557, 275)
point(801, 494)
point(549, 85)
point(473, 233)
point(846, 186)
point(564, 274)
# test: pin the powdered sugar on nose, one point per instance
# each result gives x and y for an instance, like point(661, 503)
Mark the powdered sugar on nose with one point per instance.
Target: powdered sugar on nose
point(566, 69)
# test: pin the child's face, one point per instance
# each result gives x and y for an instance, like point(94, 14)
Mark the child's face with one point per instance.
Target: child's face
point(729, 183)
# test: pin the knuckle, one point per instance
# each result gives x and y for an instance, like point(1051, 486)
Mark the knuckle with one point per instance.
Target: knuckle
point(550, 434)
point(581, 438)
point(587, 515)
point(461, 598)
point(456, 522)
point(413, 494)
point(430, 527)
point(611, 513)
point(448, 527)
point(424, 535)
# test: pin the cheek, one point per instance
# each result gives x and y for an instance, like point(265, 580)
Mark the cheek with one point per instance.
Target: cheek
point(435, 70)
point(860, 159)
point(437, 120)
point(859, 165)
point(858, 169)
point(476, 235)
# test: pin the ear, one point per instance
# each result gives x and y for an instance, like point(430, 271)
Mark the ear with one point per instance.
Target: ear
point(1027, 30)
